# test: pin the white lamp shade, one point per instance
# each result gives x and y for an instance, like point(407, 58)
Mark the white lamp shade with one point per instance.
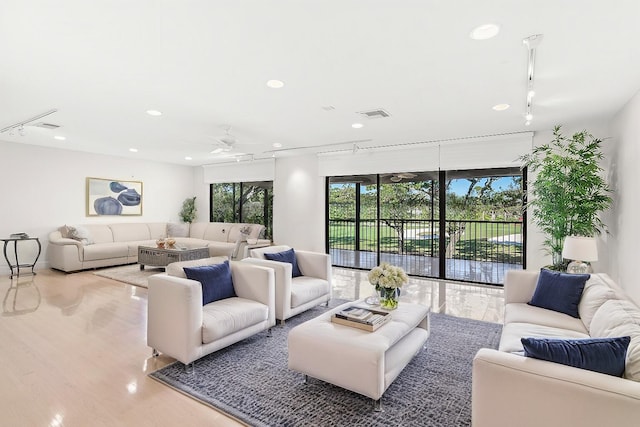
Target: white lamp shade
point(580, 248)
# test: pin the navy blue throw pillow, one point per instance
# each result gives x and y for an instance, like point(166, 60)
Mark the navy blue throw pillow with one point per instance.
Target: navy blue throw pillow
point(604, 355)
point(286, 256)
point(559, 291)
point(215, 280)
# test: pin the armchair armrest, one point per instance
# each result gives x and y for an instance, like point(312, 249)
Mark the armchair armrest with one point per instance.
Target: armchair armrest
point(174, 321)
point(519, 285)
point(315, 264)
point(512, 390)
point(255, 283)
point(282, 275)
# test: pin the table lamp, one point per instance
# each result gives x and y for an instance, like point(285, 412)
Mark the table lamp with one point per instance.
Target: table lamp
point(580, 250)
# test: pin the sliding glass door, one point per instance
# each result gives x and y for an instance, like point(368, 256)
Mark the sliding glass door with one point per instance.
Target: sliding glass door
point(474, 233)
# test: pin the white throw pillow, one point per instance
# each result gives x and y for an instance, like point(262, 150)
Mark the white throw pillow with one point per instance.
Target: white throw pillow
point(177, 230)
point(619, 318)
point(79, 233)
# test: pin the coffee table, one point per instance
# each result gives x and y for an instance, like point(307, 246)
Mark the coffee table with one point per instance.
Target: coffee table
point(361, 361)
point(161, 257)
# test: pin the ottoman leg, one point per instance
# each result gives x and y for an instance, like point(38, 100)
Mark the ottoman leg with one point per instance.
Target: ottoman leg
point(377, 405)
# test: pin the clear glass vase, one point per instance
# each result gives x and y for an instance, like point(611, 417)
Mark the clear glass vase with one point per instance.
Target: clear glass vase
point(389, 298)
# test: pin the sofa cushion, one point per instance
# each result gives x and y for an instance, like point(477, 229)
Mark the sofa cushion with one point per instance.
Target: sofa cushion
point(513, 332)
point(604, 355)
point(224, 317)
point(306, 288)
point(594, 295)
point(178, 230)
point(559, 291)
point(616, 318)
point(286, 256)
point(525, 313)
point(105, 251)
point(215, 279)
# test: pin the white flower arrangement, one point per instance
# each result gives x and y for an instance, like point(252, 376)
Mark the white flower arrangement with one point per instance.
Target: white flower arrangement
point(387, 276)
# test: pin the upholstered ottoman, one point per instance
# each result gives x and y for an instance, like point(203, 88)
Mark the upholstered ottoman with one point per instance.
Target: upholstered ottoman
point(360, 361)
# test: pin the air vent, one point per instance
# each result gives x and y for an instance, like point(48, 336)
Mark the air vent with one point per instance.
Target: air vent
point(46, 125)
point(375, 114)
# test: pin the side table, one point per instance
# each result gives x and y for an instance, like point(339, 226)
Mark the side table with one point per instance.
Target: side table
point(17, 265)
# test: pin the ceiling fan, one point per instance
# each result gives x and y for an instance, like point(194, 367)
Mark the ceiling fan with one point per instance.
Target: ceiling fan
point(225, 143)
point(397, 177)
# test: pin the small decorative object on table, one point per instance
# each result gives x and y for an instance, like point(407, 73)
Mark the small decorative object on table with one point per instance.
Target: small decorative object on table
point(170, 243)
point(388, 280)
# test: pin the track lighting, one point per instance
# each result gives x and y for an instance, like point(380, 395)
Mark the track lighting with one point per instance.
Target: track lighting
point(20, 125)
point(531, 43)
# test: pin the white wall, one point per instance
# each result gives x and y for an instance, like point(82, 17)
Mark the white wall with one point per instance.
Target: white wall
point(298, 204)
point(44, 188)
point(624, 241)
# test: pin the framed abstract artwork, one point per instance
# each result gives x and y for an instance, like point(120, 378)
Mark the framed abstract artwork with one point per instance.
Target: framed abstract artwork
point(113, 197)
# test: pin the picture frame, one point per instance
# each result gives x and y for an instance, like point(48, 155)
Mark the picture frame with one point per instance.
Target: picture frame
point(113, 197)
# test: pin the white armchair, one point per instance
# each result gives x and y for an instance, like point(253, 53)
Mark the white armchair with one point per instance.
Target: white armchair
point(179, 326)
point(297, 294)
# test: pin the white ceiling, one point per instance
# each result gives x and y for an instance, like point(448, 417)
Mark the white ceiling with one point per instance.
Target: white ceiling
point(204, 64)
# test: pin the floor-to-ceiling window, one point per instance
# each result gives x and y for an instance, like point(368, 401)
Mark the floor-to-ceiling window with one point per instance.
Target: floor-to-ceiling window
point(475, 233)
point(248, 202)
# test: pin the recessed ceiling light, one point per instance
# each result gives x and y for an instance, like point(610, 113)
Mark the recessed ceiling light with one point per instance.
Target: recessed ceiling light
point(500, 107)
point(154, 112)
point(133, 150)
point(484, 32)
point(59, 137)
point(357, 125)
point(276, 145)
point(275, 84)
point(188, 158)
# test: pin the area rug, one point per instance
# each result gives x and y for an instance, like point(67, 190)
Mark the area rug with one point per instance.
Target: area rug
point(130, 274)
point(250, 381)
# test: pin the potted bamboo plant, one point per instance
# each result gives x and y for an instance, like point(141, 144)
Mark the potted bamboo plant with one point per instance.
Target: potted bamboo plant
point(568, 192)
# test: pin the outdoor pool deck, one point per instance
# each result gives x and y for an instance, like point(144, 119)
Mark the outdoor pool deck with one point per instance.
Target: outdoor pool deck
point(456, 269)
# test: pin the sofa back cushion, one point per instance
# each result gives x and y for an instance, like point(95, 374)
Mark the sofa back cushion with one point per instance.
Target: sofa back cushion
point(178, 229)
point(617, 318)
point(595, 293)
point(158, 230)
point(130, 232)
point(100, 233)
point(217, 231)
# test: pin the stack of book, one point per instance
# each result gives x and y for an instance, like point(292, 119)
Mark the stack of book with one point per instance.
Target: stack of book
point(361, 318)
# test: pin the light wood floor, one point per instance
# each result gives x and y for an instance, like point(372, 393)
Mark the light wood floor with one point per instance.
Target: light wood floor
point(73, 349)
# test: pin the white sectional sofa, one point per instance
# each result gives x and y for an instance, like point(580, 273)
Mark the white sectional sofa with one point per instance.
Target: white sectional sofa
point(510, 389)
point(117, 244)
